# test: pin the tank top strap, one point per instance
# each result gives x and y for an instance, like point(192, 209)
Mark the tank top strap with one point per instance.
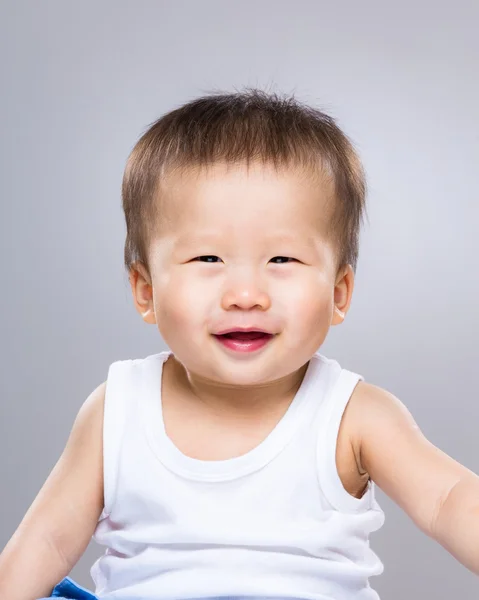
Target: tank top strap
point(119, 395)
point(328, 426)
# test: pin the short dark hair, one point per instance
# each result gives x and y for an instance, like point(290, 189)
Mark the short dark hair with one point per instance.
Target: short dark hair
point(246, 126)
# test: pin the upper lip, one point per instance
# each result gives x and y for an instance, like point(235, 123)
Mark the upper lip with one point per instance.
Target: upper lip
point(243, 329)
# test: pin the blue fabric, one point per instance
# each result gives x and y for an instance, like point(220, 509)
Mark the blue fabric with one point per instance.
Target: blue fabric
point(67, 589)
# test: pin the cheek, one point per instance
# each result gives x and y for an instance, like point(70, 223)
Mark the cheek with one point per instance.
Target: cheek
point(179, 301)
point(311, 293)
point(308, 307)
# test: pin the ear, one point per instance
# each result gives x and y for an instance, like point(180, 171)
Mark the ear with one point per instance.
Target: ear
point(343, 293)
point(142, 291)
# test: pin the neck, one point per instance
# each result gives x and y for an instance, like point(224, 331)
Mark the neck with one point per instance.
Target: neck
point(236, 400)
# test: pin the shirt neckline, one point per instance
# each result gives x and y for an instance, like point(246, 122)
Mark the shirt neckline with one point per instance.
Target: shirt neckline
point(219, 470)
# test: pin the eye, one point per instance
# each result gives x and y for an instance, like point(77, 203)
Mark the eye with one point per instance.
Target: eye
point(286, 258)
point(198, 258)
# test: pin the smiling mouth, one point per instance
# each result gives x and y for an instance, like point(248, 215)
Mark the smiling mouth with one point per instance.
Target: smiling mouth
point(245, 335)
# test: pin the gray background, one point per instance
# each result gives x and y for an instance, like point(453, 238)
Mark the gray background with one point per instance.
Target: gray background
point(80, 83)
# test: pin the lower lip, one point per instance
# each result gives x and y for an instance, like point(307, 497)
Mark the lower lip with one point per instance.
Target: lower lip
point(244, 345)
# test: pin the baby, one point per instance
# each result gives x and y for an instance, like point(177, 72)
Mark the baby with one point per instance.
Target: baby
point(241, 462)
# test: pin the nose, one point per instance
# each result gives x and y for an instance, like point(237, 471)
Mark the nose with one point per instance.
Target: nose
point(245, 294)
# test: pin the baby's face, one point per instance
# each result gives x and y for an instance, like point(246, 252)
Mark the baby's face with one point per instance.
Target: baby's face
point(240, 249)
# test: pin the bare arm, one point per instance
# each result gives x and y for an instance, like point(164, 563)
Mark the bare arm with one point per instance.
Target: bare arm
point(439, 494)
point(59, 524)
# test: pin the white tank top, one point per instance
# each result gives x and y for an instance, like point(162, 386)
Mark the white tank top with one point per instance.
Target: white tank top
point(273, 523)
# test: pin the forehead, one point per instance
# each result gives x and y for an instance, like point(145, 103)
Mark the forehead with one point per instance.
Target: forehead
point(234, 199)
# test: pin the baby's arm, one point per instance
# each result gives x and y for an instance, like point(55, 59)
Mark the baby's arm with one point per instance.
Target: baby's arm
point(439, 494)
point(59, 524)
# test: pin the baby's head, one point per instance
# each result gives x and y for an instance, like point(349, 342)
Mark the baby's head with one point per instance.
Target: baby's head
point(243, 210)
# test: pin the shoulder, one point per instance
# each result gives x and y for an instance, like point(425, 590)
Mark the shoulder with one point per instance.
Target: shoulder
point(371, 413)
point(86, 433)
point(93, 405)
